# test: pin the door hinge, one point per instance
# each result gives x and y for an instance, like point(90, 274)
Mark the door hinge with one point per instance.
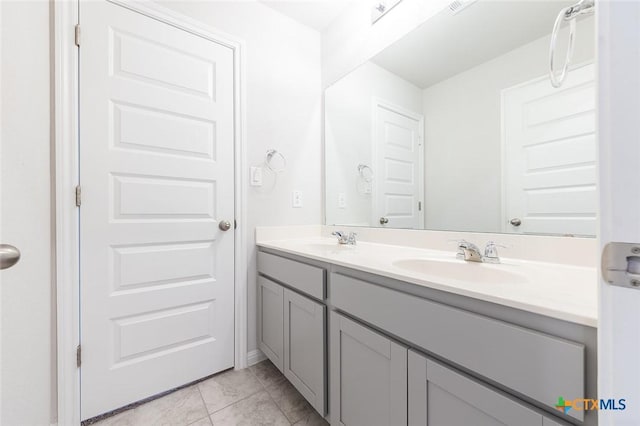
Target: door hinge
point(78, 356)
point(621, 264)
point(419, 206)
point(78, 195)
point(77, 35)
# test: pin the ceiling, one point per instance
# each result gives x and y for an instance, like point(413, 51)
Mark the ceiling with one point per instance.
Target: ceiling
point(449, 44)
point(317, 14)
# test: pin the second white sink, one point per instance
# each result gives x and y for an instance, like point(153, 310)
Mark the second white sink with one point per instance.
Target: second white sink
point(461, 270)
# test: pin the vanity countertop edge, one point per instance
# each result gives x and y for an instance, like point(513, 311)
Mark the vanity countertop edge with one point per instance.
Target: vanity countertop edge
point(563, 292)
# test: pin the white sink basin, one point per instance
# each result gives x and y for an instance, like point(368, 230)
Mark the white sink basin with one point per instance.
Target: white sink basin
point(461, 270)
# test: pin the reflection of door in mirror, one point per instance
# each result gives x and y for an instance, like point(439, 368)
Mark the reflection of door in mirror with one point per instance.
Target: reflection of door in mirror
point(398, 157)
point(549, 156)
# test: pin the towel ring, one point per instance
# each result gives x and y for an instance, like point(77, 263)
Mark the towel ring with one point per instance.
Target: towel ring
point(365, 172)
point(557, 80)
point(271, 153)
point(583, 7)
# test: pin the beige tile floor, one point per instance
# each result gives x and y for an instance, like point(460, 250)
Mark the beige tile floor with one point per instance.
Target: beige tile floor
point(258, 395)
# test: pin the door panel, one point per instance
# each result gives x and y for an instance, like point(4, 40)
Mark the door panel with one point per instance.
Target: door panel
point(156, 169)
point(397, 169)
point(439, 396)
point(27, 289)
point(550, 156)
point(271, 321)
point(368, 376)
point(304, 356)
point(618, 28)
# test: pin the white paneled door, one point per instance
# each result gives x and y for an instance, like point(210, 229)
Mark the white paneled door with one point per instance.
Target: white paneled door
point(397, 167)
point(156, 169)
point(550, 156)
point(618, 24)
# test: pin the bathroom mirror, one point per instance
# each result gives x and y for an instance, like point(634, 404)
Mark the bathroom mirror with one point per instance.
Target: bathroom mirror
point(457, 127)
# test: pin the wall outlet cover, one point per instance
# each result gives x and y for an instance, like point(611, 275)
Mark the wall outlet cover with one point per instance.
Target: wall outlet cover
point(296, 199)
point(342, 200)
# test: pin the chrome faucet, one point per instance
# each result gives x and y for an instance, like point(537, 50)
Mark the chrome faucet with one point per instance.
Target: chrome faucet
point(344, 238)
point(470, 252)
point(491, 252)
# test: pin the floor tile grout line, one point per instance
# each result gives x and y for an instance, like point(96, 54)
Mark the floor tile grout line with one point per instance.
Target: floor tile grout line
point(264, 384)
point(256, 377)
point(279, 408)
point(197, 385)
point(271, 397)
point(234, 402)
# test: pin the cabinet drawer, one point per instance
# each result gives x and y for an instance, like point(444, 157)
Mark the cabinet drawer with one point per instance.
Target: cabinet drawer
point(302, 277)
point(534, 364)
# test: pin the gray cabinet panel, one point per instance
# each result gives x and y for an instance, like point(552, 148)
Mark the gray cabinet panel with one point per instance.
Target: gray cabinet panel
point(368, 376)
point(271, 320)
point(532, 363)
point(449, 398)
point(304, 355)
point(546, 421)
point(417, 389)
point(305, 278)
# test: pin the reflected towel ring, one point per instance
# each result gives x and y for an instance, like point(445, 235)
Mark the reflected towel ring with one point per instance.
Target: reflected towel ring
point(365, 172)
point(583, 7)
point(271, 153)
point(557, 80)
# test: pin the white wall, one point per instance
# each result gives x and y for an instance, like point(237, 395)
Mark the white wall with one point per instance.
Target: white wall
point(348, 136)
point(284, 101)
point(27, 310)
point(463, 134)
point(352, 40)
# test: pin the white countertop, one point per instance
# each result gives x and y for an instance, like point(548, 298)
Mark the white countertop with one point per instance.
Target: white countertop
point(565, 292)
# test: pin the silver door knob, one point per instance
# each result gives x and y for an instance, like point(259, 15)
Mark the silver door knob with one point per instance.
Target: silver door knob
point(515, 222)
point(224, 225)
point(9, 256)
point(384, 220)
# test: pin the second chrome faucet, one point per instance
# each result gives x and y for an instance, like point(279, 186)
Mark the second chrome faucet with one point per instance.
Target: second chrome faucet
point(345, 238)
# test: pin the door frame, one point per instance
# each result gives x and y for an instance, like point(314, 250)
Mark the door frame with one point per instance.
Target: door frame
point(381, 103)
point(66, 163)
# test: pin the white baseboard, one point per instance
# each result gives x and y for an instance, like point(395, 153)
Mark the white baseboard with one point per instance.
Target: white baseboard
point(254, 357)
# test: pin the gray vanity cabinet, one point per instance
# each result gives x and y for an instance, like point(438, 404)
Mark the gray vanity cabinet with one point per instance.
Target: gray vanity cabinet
point(487, 365)
point(291, 325)
point(271, 321)
point(368, 376)
point(304, 348)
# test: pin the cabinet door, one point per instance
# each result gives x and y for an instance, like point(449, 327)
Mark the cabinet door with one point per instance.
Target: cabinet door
point(304, 353)
point(271, 323)
point(368, 376)
point(439, 396)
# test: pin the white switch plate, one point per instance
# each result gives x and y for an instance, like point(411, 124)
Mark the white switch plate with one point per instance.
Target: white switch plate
point(296, 199)
point(256, 176)
point(342, 200)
